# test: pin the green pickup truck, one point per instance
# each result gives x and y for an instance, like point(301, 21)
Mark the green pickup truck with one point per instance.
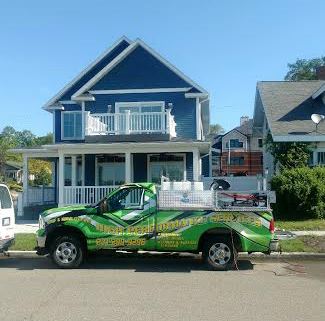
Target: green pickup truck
point(140, 216)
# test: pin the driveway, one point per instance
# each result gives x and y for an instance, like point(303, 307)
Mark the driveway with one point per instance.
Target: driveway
point(144, 287)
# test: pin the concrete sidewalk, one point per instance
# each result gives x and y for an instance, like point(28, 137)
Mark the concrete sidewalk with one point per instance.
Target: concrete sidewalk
point(26, 226)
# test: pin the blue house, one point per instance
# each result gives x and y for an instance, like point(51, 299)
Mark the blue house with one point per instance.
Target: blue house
point(130, 116)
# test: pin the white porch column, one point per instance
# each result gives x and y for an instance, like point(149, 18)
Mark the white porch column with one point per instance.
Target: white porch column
point(128, 167)
point(83, 169)
point(25, 180)
point(61, 179)
point(73, 170)
point(196, 165)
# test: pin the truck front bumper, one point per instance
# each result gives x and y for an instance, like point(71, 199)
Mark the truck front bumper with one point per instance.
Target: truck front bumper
point(41, 241)
point(274, 245)
point(6, 243)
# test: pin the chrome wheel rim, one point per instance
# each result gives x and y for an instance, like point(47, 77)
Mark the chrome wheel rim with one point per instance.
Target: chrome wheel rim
point(66, 252)
point(219, 253)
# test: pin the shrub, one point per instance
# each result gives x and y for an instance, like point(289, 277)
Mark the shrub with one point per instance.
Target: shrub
point(300, 193)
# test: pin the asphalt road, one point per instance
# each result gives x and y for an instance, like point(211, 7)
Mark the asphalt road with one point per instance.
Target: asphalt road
point(161, 287)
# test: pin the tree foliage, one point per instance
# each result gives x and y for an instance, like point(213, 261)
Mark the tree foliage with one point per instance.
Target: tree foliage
point(288, 155)
point(216, 129)
point(11, 138)
point(300, 193)
point(304, 69)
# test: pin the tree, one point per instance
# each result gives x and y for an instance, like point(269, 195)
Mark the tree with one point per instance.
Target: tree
point(41, 171)
point(43, 140)
point(304, 69)
point(216, 129)
point(288, 155)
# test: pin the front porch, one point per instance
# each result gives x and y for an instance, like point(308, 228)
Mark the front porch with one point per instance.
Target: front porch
point(82, 175)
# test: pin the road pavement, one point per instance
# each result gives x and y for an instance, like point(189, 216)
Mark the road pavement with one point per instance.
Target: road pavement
point(165, 287)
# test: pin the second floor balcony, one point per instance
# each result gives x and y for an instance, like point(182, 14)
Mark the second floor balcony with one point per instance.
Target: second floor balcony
point(130, 123)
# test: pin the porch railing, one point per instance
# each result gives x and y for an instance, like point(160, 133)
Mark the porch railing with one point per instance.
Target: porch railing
point(39, 195)
point(130, 123)
point(85, 195)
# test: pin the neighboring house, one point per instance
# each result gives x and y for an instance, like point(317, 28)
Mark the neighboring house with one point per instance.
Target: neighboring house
point(284, 109)
point(240, 151)
point(130, 116)
point(13, 171)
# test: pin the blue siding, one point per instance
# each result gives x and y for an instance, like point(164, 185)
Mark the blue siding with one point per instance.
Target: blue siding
point(92, 72)
point(189, 166)
point(90, 170)
point(57, 124)
point(184, 109)
point(205, 165)
point(140, 168)
point(140, 70)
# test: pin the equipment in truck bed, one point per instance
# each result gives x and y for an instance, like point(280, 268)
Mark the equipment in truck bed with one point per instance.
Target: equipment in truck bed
point(213, 200)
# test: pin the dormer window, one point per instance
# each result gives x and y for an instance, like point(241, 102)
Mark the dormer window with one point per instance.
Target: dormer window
point(71, 125)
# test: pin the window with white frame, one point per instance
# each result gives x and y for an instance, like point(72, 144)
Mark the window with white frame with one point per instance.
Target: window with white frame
point(110, 170)
point(71, 125)
point(144, 116)
point(321, 158)
point(171, 166)
point(234, 143)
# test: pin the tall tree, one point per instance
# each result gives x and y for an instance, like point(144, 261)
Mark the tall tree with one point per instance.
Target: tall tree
point(304, 69)
point(216, 129)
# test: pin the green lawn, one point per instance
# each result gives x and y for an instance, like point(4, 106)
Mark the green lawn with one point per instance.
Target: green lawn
point(308, 225)
point(307, 243)
point(24, 242)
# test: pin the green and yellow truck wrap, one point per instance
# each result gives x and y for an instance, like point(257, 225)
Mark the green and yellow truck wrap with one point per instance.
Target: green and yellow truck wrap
point(132, 218)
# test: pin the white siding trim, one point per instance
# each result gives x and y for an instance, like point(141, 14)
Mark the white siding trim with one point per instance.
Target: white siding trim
point(123, 55)
point(198, 117)
point(138, 91)
point(71, 83)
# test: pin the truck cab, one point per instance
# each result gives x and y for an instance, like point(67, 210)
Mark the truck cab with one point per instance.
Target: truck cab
point(7, 219)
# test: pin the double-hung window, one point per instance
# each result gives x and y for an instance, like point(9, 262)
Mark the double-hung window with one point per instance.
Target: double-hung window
point(234, 143)
point(71, 125)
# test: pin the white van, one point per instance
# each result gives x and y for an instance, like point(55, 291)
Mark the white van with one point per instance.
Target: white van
point(7, 219)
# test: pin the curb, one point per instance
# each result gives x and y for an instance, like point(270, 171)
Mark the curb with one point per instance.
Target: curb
point(244, 255)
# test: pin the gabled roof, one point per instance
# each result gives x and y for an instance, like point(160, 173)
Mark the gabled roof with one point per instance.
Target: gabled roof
point(246, 128)
point(122, 56)
point(57, 97)
point(288, 106)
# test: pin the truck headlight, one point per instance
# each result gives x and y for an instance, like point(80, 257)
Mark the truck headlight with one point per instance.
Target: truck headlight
point(41, 222)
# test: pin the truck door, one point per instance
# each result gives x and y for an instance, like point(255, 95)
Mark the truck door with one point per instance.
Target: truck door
point(134, 208)
point(7, 217)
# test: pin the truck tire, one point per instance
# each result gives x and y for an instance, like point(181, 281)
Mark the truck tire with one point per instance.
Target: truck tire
point(219, 253)
point(67, 252)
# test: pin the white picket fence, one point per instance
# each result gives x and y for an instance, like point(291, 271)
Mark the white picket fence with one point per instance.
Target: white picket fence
point(85, 195)
point(128, 123)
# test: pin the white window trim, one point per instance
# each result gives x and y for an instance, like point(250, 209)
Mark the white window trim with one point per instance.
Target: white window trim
point(139, 104)
point(62, 125)
point(231, 148)
point(149, 177)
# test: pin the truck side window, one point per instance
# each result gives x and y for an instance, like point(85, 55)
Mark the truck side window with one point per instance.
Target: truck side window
point(127, 198)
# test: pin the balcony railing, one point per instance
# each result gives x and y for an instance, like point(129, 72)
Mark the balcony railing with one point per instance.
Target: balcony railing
point(130, 123)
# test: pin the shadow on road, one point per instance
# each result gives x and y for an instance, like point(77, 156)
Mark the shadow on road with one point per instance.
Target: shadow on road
point(124, 261)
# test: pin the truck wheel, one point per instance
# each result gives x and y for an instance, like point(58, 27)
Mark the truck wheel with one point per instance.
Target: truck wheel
point(219, 254)
point(67, 252)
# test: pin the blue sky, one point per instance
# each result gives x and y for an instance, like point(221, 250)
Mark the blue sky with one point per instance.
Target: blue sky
point(225, 46)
